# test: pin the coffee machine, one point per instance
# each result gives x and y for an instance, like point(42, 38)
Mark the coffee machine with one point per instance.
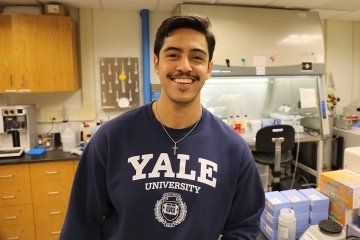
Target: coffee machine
point(17, 130)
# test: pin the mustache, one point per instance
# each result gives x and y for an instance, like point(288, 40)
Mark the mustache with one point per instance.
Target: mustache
point(183, 75)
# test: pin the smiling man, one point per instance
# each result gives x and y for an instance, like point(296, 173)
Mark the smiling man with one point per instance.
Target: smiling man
point(169, 170)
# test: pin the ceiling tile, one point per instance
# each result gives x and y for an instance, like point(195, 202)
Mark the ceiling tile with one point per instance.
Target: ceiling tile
point(350, 5)
point(328, 14)
point(303, 4)
point(129, 5)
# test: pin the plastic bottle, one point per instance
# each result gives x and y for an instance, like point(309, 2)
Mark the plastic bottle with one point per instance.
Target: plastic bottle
point(68, 137)
point(287, 224)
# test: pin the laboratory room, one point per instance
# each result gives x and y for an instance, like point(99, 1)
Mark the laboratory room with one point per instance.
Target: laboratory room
point(174, 120)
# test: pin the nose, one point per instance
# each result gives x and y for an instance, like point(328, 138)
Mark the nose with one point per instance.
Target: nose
point(184, 65)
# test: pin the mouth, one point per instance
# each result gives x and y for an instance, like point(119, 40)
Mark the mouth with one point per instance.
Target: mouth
point(183, 79)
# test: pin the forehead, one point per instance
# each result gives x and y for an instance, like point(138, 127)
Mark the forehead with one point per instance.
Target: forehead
point(185, 39)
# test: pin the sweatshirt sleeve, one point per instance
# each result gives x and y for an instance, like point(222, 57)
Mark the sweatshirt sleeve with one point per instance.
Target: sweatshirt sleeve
point(89, 202)
point(248, 203)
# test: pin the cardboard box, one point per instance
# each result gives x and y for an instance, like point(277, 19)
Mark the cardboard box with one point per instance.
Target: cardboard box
point(341, 186)
point(54, 9)
point(275, 201)
point(316, 217)
point(299, 203)
point(340, 213)
point(319, 203)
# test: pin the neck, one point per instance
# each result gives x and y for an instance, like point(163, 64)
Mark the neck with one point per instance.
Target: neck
point(177, 117)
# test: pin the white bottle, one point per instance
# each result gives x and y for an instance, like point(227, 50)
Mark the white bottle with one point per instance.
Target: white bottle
point(68, 138)
point(287, 224)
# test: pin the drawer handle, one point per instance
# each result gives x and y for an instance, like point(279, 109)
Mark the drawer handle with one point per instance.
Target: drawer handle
point(8, 197)
point(10, 218)
point(7, 176)
point(53, 193)
point(12, 238)
point(55, 232)
point(54, 212)
point(51, 172)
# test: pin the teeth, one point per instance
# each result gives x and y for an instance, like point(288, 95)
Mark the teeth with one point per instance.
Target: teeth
point(182, 80)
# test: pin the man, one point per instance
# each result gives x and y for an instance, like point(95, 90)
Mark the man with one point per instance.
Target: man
point(169, 170)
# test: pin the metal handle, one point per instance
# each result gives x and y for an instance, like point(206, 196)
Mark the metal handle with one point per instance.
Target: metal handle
point(10, 218)
point(51, 172)
point(8, 197)
point(54, 212)
point(53, 193)
point(55, 232)
point(12, 238)
point(7, 176)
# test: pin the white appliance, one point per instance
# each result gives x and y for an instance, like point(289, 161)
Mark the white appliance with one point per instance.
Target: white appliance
point(314, 233)
point(352, 159)
point(17, 130)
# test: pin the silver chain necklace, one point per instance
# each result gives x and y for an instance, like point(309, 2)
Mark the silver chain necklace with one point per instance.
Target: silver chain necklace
point(176, 142)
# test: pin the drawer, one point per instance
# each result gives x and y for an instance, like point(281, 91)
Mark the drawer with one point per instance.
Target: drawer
point(48, 192)
point(20, 232)
point(51, 172)
point(50, 211)
point(15, 195)
point(16, 215)
point(14, 174)
point(48, 230)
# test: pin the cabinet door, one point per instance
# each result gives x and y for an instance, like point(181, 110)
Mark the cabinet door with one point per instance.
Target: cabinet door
point(44, 56)
point(24, 36)
point(6, 80)
point(54, 56)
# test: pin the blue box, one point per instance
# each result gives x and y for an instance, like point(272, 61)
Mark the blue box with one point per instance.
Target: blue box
point(318, 202)
point(269, 233)
point(315, 218)
point(300, 231)
point(270, 220)
point(275, 201)
point(302, 220)
point(299, 203)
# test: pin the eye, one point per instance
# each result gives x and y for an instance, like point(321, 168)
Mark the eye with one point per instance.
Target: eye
point(172, 56)
point(198, 58)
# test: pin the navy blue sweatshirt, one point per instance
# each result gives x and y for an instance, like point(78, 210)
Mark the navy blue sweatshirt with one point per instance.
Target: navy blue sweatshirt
point(129, 185)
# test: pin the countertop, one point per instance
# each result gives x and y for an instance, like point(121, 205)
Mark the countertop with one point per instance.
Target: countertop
point(50, 155)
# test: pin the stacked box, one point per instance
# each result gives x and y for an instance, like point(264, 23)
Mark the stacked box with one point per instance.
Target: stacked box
point(342, 186)
point(319, 205)
point(343, 189)
point(300, 204)
point(274, 202)
point(340, 213)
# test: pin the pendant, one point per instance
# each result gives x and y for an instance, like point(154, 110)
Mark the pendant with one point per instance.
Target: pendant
point(175, 148)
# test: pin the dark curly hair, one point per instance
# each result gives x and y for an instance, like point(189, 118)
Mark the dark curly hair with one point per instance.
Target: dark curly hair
point(194, 22)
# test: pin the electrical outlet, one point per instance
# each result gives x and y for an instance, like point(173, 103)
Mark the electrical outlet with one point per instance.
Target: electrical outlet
point(53, 115)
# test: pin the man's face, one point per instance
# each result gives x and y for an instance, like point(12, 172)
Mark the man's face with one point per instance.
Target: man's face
point(183, 65)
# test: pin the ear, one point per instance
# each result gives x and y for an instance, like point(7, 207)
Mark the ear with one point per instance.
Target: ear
point(156, 64)
point(209, 70)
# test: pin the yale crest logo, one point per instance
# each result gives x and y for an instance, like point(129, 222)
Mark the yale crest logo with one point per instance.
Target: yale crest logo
point(170, 210)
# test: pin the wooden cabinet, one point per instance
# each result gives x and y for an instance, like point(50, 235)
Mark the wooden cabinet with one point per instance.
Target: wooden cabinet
point(16, 210)
point(34, 199)
point(41, 54)
point(50, 183)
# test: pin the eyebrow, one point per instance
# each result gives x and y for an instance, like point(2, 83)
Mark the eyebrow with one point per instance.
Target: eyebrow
point(178, 49)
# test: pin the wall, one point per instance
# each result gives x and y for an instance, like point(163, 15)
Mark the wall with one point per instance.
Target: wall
point(342, 43)
point(118, 33)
